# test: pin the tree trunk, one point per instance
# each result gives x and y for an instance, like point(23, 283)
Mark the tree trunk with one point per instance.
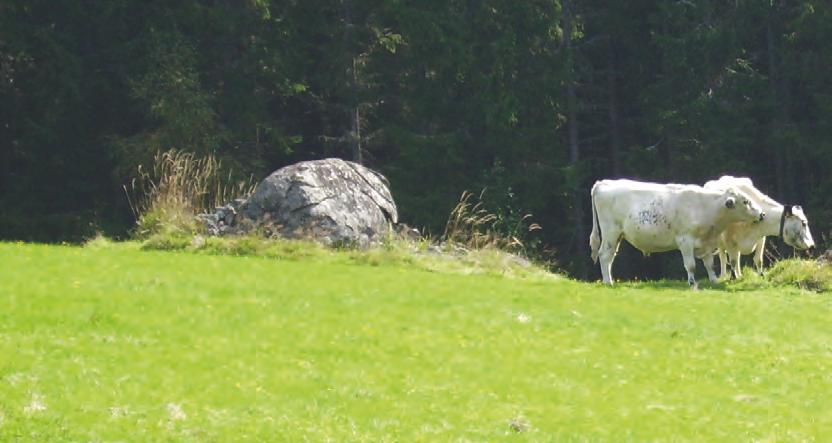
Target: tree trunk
point(664, 148)
point(354, 136)
point(355, 117)
point(780, 114)
point(571, 98)
point(615, 120)
point(580, 238)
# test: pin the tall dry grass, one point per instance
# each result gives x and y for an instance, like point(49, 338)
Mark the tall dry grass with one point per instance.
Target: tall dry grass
point(179, 185)
point(473, 226)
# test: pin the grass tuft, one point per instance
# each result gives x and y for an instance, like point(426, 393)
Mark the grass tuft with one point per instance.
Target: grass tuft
point(471, 225)
point(99, 241)
point(180, 185)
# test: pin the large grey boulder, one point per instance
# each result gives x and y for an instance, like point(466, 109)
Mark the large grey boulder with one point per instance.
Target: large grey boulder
point(332, 200)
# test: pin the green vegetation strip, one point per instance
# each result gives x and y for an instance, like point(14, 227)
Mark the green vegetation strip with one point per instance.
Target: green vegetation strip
point(115, 343)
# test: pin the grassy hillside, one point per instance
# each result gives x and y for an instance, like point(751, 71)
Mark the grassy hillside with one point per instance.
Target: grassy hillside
point(113, 343)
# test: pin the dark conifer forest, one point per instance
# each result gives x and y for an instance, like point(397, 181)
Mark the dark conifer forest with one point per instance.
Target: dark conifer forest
point(531, 100)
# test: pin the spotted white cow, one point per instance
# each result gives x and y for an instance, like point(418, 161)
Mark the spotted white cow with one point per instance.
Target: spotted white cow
point(663, 217)
point(742, 238)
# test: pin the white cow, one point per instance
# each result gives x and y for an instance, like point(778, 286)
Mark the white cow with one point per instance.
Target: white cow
point(663, 217)
point(740, 238)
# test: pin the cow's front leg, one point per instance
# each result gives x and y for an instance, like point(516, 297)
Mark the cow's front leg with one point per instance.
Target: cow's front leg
point(686, 248)
point(708, 260)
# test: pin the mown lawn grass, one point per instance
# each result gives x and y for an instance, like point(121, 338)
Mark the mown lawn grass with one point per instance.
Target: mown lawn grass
point(118, 344)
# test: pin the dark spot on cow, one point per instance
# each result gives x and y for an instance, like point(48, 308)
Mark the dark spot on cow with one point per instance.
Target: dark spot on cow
point(654, 214)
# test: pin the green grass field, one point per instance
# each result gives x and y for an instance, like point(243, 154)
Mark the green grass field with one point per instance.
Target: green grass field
point(118, 344)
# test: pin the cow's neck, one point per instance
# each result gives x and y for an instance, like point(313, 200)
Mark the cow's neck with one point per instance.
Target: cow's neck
point(771, 224)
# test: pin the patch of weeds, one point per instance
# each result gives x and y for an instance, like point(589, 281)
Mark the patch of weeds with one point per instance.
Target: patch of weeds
point(294, 249)
point(167, 242)
point(391, 252)
point(98, 242)
point(179, 185)
point(244, 245)
point(247, 245)
point(473, 226)
point(805, 274)
point(519, 424)
point(499, 262)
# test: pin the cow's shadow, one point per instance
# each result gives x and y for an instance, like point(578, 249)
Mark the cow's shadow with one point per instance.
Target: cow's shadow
point(664, 271)
point(745, 284)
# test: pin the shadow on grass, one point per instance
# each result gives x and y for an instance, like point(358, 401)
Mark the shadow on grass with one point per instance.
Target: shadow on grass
point(747, 283)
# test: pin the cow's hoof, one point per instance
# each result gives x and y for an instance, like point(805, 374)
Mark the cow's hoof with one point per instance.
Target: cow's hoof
point(693, 285)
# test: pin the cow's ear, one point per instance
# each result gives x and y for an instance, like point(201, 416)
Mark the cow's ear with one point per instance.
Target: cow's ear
point(796, 208)
point(730, 202)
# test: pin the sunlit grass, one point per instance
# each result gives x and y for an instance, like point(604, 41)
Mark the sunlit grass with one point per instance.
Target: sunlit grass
point(111, 343)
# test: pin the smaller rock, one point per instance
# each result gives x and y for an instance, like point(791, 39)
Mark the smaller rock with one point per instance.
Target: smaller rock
point(198, 242)
point(435, 249)
point(408, 232)
point(230, 214)
point(519, 424)
point(211, 222)
point(521, 261)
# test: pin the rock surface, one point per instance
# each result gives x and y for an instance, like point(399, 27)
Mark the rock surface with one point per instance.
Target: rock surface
point(331, 200)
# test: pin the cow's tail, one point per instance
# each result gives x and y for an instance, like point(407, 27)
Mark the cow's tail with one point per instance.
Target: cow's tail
point(595, 236)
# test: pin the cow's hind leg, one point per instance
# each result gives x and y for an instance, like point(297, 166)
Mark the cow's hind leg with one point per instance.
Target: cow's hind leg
point(708, 260)
point(759, 251)
point(606, 255)
point(723, 264)
point(736, 263)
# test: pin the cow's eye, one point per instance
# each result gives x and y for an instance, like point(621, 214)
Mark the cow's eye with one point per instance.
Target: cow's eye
point(804, 224)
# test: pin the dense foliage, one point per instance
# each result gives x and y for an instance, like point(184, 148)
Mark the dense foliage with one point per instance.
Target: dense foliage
point(534, 100)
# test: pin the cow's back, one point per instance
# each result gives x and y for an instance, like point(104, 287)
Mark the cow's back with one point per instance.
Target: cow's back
point(745, 185)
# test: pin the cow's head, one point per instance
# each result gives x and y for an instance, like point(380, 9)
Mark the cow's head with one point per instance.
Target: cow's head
point(741, 207)
point(795, 228)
